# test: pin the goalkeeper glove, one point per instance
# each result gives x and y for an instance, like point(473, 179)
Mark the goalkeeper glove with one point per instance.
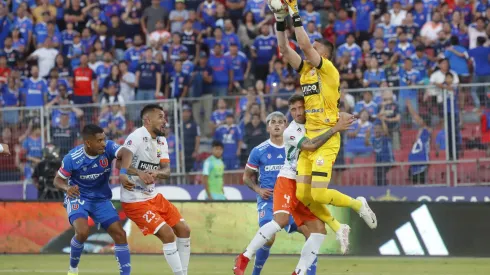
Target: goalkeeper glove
point(293, 7)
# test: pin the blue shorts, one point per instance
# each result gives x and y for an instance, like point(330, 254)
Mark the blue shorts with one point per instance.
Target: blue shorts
point(266, 214)
point(102, 212)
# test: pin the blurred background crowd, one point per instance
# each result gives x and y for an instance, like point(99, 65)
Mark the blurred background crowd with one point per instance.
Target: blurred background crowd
point(219, 59)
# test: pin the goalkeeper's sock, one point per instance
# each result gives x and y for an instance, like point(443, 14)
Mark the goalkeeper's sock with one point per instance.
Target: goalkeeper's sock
point(184, 248)
point(123, 258)
point(264, 234)
point(260, 259)
point(312, 269)
point(173, 258)
point(309, 253)
point(76, 249)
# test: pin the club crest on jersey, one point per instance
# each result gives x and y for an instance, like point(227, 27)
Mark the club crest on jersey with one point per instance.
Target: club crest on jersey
point(312, 71)
point(319, 161)
point(159, 153)
point(299, 130)
point(75, 206)
point(129, 142)
point(145, 139)
point(261, 213)
point(269, 156)
point(160, 141)
point(104, 162)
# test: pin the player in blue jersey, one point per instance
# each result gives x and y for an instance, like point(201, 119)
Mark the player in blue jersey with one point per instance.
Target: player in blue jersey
point(84, 176)
point(264, 163)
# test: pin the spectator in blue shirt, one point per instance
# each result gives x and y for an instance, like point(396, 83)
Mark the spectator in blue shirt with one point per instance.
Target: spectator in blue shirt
point(481, 60)
point(310, 15)
point(218, 117)
point(408, 77)
point(222, 72)
point(264, 51)
point(5, 23)
point(355, 144)
point(352, 48)
point(364, 16)
point(404, 49)
point(343, 26)
point(207, 11)
point(10, 98)
point(230, 37)
point(276, 77)
point(420, 13)
point(32, 145)
point(35, 89)
point(134, 54)
point(113, 122)
point(67, 37)
point(231, 137)
point(240, 64)
point(148, 78)
point(458, 59)
point(374, 76)
point(421, 62)
point(367, 105)
point(383, 150)
point(389, 31)
point(217, 38)
point(23, 23)
point(104, 70)
point(75, 51)
point(178, 82)
point(312, 32)
point(257, 7)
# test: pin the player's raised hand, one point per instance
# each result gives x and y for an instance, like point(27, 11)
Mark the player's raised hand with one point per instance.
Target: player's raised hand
point(345, 121)
point(73, 192)
point(293, 6)
point(146, 177)
point(265, 193)
point(6, 149)
point(126, 183)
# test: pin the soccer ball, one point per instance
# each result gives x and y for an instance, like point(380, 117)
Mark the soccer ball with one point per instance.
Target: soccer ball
point(277, 6)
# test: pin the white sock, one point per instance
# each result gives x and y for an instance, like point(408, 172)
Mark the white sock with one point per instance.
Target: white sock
point(173, 259)
point(264, 234)
point(73, 269)
point(309, 252)
point(184, 248)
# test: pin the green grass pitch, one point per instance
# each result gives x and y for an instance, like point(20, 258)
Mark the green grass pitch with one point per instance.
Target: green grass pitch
point(210, 265)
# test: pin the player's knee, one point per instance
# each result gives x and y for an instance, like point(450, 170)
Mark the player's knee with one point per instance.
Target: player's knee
point(119, 237)
point(81, 234)
point(282, 219)
point(184, 231)
point(166, 234)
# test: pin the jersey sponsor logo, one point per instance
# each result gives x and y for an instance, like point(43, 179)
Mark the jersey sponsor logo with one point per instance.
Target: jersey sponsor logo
point(271, 168)
point(104, 162)
point(299, 130)
point(314, 111)
point(310, 89)
point(143, 165)
point(159, 153)
point(93, 176)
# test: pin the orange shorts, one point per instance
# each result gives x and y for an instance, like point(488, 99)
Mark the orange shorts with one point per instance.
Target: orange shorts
point(152, 214)
point(285, 201)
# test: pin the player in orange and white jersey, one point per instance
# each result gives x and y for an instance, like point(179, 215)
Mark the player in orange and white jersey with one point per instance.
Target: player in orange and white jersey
point(144, 158)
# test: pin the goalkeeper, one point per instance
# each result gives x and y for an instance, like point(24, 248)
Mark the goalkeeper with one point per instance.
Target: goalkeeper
point(320, 82)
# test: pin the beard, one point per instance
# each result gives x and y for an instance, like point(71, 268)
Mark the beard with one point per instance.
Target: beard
point(158, 132)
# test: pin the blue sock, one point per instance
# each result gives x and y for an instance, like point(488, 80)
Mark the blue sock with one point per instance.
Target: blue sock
point(75, 252)
point(312, 269)
point(260, 258)
point(123, 258)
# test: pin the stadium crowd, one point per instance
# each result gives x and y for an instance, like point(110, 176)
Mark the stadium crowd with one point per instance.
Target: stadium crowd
point(62, 53)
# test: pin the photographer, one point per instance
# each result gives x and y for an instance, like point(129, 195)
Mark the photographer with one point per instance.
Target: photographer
point(45, 172)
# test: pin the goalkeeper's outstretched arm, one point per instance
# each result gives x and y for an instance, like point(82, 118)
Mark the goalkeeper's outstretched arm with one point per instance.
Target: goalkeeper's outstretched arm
point(289, 55)
point(311, 54)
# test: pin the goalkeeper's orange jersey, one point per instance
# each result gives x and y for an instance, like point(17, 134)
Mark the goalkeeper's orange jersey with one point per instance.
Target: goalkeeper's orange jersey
point(320, 88)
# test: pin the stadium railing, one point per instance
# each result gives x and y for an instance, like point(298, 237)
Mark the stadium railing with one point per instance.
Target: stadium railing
point(472, 167)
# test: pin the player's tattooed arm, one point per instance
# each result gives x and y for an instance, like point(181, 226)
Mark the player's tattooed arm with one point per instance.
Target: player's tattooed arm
point(344, 123)
point(249, 178)
point(163, 172)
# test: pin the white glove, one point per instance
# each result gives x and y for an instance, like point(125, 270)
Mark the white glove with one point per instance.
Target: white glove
point(279, 14)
